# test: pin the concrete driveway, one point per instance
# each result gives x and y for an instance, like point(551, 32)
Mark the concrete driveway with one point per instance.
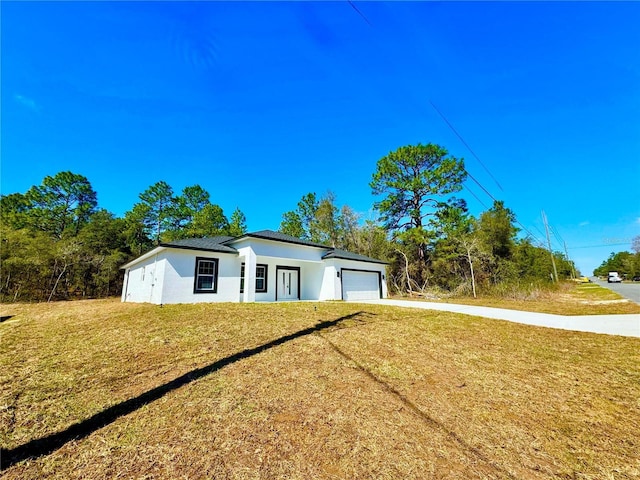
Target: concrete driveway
point(625, 325)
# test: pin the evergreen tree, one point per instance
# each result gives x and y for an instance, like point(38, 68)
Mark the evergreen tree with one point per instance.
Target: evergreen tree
point(64, 201)
point(416, 181)
point(238, 224)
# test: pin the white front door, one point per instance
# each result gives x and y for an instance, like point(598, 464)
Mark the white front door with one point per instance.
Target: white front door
point(287, 284)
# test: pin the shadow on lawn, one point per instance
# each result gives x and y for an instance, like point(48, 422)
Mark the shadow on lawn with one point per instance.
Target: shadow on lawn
point(46, 445)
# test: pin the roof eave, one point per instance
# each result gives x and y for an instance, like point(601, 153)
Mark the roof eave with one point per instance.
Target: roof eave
point(201, 249)
point(329, 256)
point(278, 240)
point(143, 257)
point(165, 246)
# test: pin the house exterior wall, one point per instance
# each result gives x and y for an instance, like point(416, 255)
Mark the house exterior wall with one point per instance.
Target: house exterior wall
point(355, 265)
point(269, 248)
point(179, 276)
point(311, 278)
point(277, 254)
point(330, 289)
point(311, 275)
point(143, 281)
point(270, 294)
point(168, 275)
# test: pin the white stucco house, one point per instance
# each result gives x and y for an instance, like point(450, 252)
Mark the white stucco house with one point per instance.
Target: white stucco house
point(264, 266)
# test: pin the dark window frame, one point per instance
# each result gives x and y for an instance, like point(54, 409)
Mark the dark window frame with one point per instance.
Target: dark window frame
point(266, 276)
point(215, 275)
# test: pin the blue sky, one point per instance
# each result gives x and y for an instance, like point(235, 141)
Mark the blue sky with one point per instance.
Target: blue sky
point(262, 102)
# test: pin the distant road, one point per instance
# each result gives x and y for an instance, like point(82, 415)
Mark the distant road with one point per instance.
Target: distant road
point(627, 290)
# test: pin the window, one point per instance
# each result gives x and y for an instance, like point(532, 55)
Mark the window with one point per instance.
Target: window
point(261, 278)
point(206, 277)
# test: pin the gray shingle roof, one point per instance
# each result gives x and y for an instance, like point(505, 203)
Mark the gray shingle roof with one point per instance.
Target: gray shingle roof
point(343, 254)
point(224, 244)
point(212, 244)
point(281, 237)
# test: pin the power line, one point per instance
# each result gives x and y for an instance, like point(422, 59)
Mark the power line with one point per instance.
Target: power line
point(476, 181)
point(480, 185)
point(465, 144)
point(554, 232)
point(359, 12)
point(495, 200)
point(539, 231)
point(475, 196)
point(540, 242)
point(601, 245)
point(469, 148)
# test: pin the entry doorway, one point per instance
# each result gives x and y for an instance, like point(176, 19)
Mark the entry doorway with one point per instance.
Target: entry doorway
point(288, 283)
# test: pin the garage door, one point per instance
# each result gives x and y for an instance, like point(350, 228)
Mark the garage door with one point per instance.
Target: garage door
point(359, 285)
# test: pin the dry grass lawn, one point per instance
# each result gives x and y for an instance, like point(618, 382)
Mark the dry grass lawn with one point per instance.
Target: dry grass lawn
point(569, 299)
point(101, 389)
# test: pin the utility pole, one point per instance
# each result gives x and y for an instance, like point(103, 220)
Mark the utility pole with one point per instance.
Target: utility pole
point(553, 261)
point(566, 252)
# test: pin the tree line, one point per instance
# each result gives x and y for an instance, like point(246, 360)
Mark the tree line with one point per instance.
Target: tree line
point(627, 264)
point(56, 243)
point(426, 233)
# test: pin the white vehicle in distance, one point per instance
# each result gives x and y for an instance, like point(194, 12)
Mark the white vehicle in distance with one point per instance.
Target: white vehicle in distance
point(613, 278)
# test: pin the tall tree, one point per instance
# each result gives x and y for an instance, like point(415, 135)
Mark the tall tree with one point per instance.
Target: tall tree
point(349, 229)
point(317, 220)
point(155, 209)
point(301, 222)
point(452, 220)
point(326, 224)
point(63, 201)
point(621, 262)
point(186, 205)
point(14, 209)
point(237, 224)
point(497, 234)
point(136, 231)
point(207, 222)
point(192, 215)
point(291, 224)
point(453, 246)
point(372, 241)
point(27, 259)
point(497, 230)
point(416, 181)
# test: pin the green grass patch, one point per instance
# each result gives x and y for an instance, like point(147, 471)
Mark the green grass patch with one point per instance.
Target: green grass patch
point(593, 291)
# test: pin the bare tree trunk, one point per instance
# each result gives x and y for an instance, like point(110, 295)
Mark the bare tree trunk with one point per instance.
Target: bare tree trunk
point(53, 290)
point(53, 270)
point(406, 270)
point(473, 278)
point(395, 284)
